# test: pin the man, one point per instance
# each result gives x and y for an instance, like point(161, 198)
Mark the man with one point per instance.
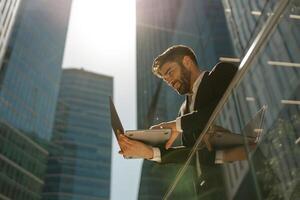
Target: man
point(178, 67)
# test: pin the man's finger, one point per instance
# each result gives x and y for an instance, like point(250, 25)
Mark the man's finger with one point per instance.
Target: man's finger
point(126, 140)
point(155, 127)
point(170, 141)
point(158, 126)
point(119, 133)
point(124, 144)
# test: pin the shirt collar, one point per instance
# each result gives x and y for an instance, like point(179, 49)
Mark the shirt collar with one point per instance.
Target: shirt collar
point(197, 83)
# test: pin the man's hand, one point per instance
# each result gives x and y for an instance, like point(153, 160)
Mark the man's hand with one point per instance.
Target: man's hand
point(168, 125)
point(133, 148)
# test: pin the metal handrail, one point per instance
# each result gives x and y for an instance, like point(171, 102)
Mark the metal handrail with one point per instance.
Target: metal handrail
point(244, 66)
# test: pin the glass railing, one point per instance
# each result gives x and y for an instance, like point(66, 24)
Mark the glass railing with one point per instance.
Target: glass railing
point(262, 100)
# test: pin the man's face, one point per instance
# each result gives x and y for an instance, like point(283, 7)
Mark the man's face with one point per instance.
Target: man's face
point(176, 76)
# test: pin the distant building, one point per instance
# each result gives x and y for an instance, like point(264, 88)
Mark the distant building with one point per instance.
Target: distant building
point(29, 83)
point(81, 168)
point(30, 77)
point(22, 174)
point(8, 12)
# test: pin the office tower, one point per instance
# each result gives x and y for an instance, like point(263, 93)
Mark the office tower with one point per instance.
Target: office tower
point(80, 165)
point(29, 83)
point(272, 81)
point(160, 24)
point(8, 12)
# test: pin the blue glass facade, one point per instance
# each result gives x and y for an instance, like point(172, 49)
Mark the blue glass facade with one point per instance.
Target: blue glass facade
point(79, 167)
point(29, 80)
point(161, 24)
point(22, 173)
point(29, 83)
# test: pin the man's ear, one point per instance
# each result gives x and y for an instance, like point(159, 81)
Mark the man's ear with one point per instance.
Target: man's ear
point(187, 62)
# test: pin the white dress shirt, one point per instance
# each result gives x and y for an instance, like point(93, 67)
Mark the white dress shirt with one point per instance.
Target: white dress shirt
point(192, 98)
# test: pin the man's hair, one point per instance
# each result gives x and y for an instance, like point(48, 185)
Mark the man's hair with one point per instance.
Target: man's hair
point(172, 54)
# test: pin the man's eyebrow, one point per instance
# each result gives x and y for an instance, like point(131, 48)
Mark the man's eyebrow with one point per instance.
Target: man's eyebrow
point(167, 71)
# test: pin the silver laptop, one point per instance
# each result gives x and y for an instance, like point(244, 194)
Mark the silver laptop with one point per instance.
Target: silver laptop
point(151, 137)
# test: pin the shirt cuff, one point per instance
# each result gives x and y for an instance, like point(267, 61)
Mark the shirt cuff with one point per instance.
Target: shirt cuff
point(178, 124)
point(156, 155)
point(219, 157)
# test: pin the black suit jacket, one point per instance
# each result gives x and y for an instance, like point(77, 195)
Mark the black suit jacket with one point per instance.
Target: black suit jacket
point(210, 91)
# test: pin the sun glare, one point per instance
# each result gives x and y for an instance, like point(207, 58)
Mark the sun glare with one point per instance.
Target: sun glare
point(102, 39)
point(107, 24)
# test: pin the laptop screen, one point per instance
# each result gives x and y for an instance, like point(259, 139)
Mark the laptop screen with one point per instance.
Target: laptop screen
point(114, 118)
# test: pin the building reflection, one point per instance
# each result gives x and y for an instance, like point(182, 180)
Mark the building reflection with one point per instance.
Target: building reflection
point(272, 81)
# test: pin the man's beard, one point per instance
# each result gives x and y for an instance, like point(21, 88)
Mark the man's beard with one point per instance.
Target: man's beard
point(184, 81)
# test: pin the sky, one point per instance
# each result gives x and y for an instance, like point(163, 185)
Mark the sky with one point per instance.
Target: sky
point(101, 38)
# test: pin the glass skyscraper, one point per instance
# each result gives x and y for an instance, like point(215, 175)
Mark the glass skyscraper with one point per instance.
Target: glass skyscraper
point(29, 83)
point(79, 165)
point(30, 78)
point(161, 24)
point(8, 12)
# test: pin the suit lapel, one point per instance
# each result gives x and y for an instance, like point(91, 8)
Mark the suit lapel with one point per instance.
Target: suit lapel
point(201, 89)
